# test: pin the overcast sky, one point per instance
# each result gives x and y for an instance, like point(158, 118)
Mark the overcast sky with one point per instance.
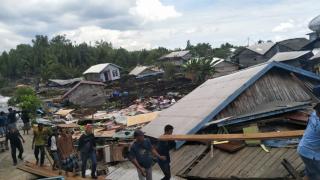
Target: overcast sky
point(137, 24)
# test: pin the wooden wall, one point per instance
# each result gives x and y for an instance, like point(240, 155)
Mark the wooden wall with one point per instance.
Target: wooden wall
point(276, 85)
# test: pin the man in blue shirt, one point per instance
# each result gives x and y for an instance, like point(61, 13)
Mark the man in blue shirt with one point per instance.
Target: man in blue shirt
point(141, 155)
point(164, 148)
point(309, 146)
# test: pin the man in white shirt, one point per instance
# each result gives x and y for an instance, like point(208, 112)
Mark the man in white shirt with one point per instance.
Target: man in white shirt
point(54, 151)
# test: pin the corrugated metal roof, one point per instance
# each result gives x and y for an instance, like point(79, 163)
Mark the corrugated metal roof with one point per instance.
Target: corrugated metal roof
point(316, 56)
point(63, 82)
point(137, 70)
point(264, 110)
point(285, 56)
point(250, 162)
point(261, 48)
point(200, 106)
point(175, 54)
point(98, 68)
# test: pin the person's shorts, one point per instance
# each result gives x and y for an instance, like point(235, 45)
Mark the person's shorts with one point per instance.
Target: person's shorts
point(312, 168)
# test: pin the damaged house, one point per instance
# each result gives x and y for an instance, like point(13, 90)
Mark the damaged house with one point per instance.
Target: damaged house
point(236, 103)
point(102, 72)
point(86, 94)
point(223, 67)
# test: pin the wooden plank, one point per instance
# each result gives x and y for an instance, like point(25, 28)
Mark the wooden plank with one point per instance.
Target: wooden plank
point(290, 169)
point(222, 137)
point(47, 172)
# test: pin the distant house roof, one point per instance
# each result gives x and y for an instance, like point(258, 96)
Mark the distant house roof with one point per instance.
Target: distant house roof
point(295, 44)
point(316, 56)
point(175, 54)
point(261, 48)
point(99, 68)
point(139, 71)
point(63, 82)
point(80, 83)
point(200, 106)
point(285, 56)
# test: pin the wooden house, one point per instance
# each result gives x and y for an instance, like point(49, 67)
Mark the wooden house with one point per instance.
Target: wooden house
point(102, 72)
point(86, 94)
point(176, 57)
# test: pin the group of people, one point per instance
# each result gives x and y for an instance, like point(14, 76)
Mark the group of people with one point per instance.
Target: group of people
point(60, 145)
point(9, 120)
point(142, 151)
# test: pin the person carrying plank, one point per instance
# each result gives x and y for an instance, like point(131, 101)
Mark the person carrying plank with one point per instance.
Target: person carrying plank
point(163, 148)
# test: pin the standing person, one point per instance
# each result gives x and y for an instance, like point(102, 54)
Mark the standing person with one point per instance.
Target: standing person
point(38, 143)
point(26, 121)
point(15, 143)
point(309, 146)
point(66, 151)
point(54, 150)
point(141, 155)
point(3, 124)
point(12, 119)
point(87, 148)
point(163, 148)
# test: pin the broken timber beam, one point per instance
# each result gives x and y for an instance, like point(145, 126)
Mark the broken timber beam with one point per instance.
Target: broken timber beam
point(223, 137)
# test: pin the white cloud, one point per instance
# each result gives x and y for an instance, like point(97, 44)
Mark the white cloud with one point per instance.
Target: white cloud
point(10, 39)
point(153, 10)
point(127, 39)
point(284, 26)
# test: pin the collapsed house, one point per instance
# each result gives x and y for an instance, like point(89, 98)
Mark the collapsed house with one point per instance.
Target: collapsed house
point(63, 82)
point(244, 101)
point(145, 71)
point(102, 72)
point(86, 94)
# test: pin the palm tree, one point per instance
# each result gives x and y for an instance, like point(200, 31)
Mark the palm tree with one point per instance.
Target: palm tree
point(199, 69)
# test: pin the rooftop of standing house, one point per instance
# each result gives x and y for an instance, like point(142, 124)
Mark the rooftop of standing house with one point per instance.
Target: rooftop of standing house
point(285, 56)
point(140, 69)
point(208, 101)
point(295, 44)
point(98, 68)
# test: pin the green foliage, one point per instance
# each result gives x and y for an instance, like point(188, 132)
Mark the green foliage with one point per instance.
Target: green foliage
point(26, 99)
point(169, 70)
point(199, 69)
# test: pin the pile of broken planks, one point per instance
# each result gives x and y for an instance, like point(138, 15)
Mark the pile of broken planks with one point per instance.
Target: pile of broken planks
point(46, 171)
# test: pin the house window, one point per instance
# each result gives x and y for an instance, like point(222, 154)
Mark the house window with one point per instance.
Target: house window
point(115, 73)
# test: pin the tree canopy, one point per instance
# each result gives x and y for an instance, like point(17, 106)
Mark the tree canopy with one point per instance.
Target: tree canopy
point(58, 57)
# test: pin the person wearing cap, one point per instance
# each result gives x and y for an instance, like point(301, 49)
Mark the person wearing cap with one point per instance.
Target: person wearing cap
point(141, 155)
point(309, 146)
point(15, 143)
point(163, 148)
point(38, 143)
point(87, 148)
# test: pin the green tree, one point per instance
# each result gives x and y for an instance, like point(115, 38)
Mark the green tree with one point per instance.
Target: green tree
point(199, 69)
point(26, 99)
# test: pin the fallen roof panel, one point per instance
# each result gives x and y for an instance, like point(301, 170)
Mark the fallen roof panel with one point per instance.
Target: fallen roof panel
point(250, 162)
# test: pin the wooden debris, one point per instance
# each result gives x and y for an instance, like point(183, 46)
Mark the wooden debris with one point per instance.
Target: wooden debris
point(286, 164)
point(251, 136)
